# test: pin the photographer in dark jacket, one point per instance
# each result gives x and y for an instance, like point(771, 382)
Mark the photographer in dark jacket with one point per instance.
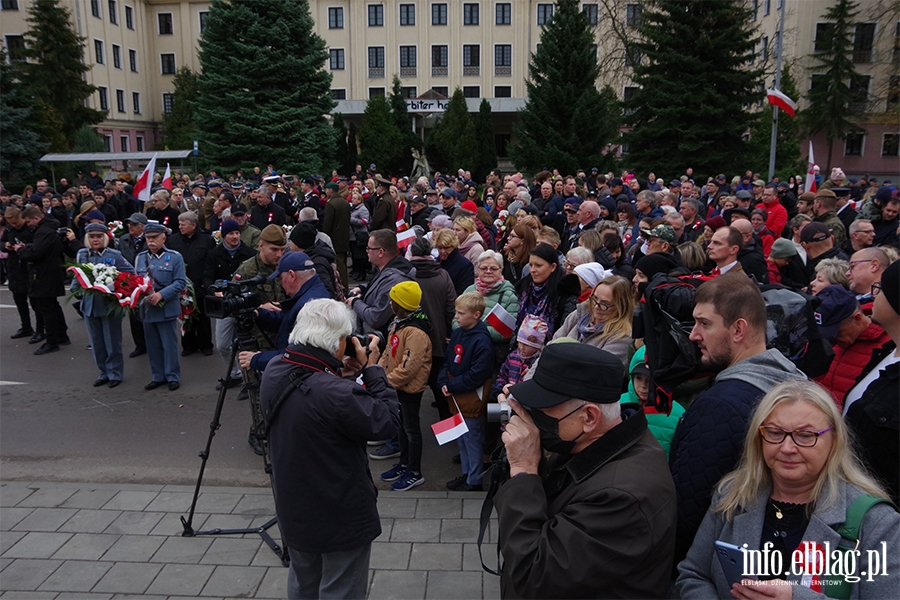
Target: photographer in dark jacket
point(318, 427)
point(17, 231)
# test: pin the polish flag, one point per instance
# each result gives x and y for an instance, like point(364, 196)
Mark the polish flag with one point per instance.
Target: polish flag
point(167, 178)
point(501, 320)
point(449, 429)
point(776, 98)
point(405, 238)
point(810, 185)
point(145, 181)
point(401, 225)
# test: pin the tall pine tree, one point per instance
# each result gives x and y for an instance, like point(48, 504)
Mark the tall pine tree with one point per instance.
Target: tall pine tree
point(340, 134)
point(264, 91)
point(695, 82)
point(180, 126)
point(21, 147)
point(53, 76)
point(379, 138)
point(453, 140)
point(566, 122)
point(829, 97)
point(402, 119)
point(485, 147)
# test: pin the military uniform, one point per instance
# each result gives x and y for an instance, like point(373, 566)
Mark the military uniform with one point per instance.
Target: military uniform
point(166, 271)
point(250, 236)
point(834, 223)
point(269, 291)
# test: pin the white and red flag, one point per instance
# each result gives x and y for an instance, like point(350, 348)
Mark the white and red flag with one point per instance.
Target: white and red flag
point(450, 429)
point(777, 98)
point(405, 238)
point(167, 178)
point(501, 320)
point(145, 181)
point(810, 185)
point(401, 225)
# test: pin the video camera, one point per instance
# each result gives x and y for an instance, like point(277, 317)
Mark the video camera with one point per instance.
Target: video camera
point(237, 295)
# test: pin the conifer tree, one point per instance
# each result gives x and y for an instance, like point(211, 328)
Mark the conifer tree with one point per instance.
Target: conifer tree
point(403, 121)
point(455, 137)
point(566, 120)
point(829, 97)
point(264, 92)
point(21, 148)
point(485, 147)
point(352, 148)
point(787, 145)
point(379, 139)
point(180, 126)
point(340, 134)
point(694, 84)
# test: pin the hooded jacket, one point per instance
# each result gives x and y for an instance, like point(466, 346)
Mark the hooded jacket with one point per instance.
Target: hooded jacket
point(661, 425)
point(710, 437)
point(374, 308)
point(438, 300)
point(472, 247)
point(323, 259)
point(460, 270)
point(407, 357)
point(753, 261)
point(469, 360)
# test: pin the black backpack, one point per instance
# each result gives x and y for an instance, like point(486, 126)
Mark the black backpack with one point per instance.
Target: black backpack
point(793, 329)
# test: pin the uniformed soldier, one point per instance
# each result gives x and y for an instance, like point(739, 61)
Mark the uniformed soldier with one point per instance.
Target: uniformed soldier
point(272, 243)
point(825, 209)
point(161, 309)
point(249, 233)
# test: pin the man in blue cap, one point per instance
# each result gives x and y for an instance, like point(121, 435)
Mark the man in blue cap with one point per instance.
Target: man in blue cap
point(450, 201)
point(161, 309)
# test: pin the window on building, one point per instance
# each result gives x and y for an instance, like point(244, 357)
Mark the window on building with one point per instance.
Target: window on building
point(336, 18)
point(123, 143)
point(628, 93)
point(503, 13)
point(472, 91)
point(95, 9)
point(471, 60)
point(890, 144)
point(107, 142)
point(98, 52)
point(897, 41)
point(853, 144)
point(633, 14)
point(408, 61)
point(117, 56)
point(754, 9)
point(337, 59)
point(376, 91)
point(204, 19)
point(129, 17)
point(502, 91)
point(139, 143)
point(439, 14)
point(893, 92)
point(165, 24)
point(863, 41)
point(470, 13)
point(824, 32)
point(764, 51)
point(502, 142)
point(592, 11)
point(167, 62)
point(544, 13)
point(338, 94)
point(136, 102)
point(113, 12)
point(439, 61)
point(632, 56)
point(818, 83)
point(104, 97)
point(9, 5)
point(767, 7)
point(15, 48)
point(132, 60)
point(376, 62)
point(503, 60)
point(407, 14)
point(120, 100)
point(168, 103)
point(376, 15)
point(409, 92)
point(442, 90)
point(859, 93)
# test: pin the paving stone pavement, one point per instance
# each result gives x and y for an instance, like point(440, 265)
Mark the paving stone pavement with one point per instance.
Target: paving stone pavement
point(67, 541)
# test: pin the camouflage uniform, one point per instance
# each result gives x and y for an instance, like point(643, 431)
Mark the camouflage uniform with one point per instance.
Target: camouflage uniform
point(269, 291)
point(834, 223)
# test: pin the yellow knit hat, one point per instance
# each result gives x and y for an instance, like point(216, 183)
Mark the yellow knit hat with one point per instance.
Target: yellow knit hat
point(407, 295)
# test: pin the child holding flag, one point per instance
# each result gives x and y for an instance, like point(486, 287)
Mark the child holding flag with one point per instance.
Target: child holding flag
point(531, 337)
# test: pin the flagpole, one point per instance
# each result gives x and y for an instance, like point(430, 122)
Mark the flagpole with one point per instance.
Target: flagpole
point(777, 87)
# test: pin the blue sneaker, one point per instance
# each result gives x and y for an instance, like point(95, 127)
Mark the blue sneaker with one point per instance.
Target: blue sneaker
point(395, 473)
point(389, 450)
point(408, 481)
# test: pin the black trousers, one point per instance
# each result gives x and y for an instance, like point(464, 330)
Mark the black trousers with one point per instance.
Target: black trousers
point(137, 332)
point(21, 300)
point(54, 320)
point(439, 398)
point(198, 335)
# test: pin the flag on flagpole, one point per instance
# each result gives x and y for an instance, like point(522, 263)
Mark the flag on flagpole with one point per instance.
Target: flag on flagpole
point(405, 238)
point(167, 178)
point(145, 181)
point(449, 429)
point(810, 185)
point(501, 320)
point(777, 98)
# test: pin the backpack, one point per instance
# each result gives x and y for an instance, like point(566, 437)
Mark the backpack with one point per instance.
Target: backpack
point(792, 328)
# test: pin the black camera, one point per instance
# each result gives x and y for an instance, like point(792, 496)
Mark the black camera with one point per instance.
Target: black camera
point(237, 295)
point(62, 231)
point(364, 341)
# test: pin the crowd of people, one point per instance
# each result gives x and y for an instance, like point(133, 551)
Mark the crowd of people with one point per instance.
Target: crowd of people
point(523, 292)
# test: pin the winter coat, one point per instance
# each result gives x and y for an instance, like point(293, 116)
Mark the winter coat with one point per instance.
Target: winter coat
point(662, 426)
point(46, 276)
point(337, 223)
point(754, 263)
point(834, 252)
point(512, 371)
point(777, 216)
point(195, 250)
point(323, 258)
point(709, 438)
point(618, 347)
point(407, 357)
point(460, 270)
point(272, 214)
point(319, 433)
point(16, 269)
point(794, 275)
point(221, 265)
point(469, 360)
point(506, 296)
point(438, 301)
point(848, 363)
point(597, 524)
point(359, 222)
point(373, 309)
point(472, 247)
point(384, 215)
point(95, 305)
point(126, 245)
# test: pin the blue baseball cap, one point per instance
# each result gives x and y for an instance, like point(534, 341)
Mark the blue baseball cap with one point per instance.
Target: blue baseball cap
point(450, 192)
point(293, 261)
point(836, 305)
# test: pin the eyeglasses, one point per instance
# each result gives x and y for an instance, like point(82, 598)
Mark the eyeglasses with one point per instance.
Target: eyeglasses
point(876, 289)
point(372, 249)
point(489, 269)
point(800, 437)
point(567, 264)
point(856, 262)
point(439, 248)
point(600, 304)
point(513, 236)
point(867, 232)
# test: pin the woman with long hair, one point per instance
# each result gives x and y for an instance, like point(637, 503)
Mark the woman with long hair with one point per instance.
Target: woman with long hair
point(626, 217)
point(604, 319)
point(539, 293)
point(359, 235)
point(519, 244)
point(470, 242)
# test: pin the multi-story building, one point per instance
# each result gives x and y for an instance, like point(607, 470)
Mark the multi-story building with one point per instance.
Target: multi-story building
point(480, 46)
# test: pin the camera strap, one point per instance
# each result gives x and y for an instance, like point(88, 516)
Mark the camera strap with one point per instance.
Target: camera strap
point(295, 381)
point(499, 471)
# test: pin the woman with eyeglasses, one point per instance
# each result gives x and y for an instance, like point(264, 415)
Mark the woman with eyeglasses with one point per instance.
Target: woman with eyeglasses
point(604, 319)
point(519, 243)
point(490, 283)
point(790, 493)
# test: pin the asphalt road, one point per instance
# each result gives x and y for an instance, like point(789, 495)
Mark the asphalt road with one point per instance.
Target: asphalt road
point(54, 426)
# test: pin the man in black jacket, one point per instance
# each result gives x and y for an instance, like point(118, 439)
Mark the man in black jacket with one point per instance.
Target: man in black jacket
point(194, 246)
point(46, 280)
point(750, 255)
point(15, 232)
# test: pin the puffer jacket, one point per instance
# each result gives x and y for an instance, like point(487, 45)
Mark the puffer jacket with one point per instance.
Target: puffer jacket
point(505, 295)
point(848, 363)
point(438, 300)
point(407, 358)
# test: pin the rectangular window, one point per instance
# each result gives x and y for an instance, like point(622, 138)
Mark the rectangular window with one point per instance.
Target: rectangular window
point(592, 11)
point(863, 42)
point(544, 13)
point(107, 142)
point(15, 48)
point(407, 14)
point(633, 14)
point(132, 60)
point(764, 51)
point(98, 52)
point(165, 24)
point(104, 98)
point(439, 14)
point(890, 144)
point(853, 144)
point(442, 90)
point(859, 93)
point(409, 92)
point(120, 100)
point(136, 102)
point(139, 143)
point(168, 103)
point(632, 57)
point(408, 61)
point(503, 60)
point(503, 13)
point(117, 56)
point(502, 91)
point(129, 17)
point(376, 91)
point(471, 60)
point(113, 12)
point(123, 143)
point(338, 94)
point(95, 9)
point(627, 94)
point(824, 31)
point(893, 92)
point(439, 61)
point(204, 19)
point(9, 5)
point(167, 63)
point(767, 7)
point(376, 15)
point(472, 91)
point(470, 13)
point(754, 9)
point(376, 62)
point(336, 18)
point(337, 59)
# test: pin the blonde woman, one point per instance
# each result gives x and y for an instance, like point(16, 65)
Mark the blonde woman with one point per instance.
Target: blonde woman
point(831, 271)
point(470, 243)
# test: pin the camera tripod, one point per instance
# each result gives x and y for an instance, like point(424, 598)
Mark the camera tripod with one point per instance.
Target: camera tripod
point(243, 342)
